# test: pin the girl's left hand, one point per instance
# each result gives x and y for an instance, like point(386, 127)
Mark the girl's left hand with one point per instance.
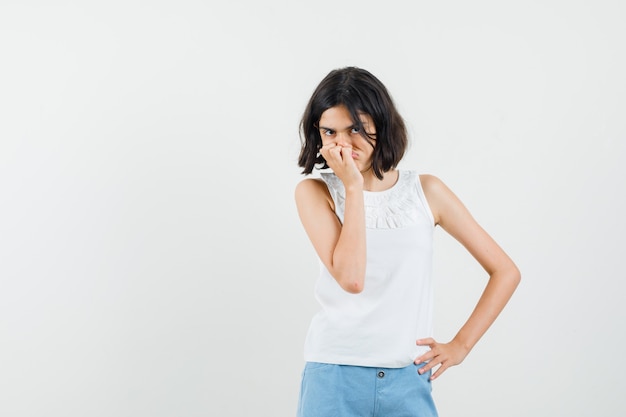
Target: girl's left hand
point(443, 354)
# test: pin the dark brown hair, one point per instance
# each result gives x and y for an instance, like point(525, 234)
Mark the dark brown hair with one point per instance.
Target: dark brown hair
point(360, 92)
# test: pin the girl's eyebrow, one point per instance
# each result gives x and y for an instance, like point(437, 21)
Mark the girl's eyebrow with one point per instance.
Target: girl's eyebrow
point(347, 128)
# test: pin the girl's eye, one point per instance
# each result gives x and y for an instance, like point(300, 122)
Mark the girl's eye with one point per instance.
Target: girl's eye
point(328, 132)
point(356, 130)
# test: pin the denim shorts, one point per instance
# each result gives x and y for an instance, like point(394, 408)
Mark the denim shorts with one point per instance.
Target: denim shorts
point(346, 391)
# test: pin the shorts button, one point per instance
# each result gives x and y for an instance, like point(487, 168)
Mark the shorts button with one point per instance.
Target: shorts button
point(381, 374)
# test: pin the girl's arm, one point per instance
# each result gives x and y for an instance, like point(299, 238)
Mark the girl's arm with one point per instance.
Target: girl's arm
point(340, 247)
point(504, 276)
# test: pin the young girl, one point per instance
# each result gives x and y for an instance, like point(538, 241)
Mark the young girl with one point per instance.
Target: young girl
point(370, 351)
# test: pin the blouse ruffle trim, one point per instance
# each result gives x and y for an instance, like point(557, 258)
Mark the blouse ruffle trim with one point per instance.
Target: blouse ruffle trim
point(389, 209)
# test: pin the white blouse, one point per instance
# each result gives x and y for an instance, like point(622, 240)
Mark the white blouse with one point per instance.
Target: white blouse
point(379, 326)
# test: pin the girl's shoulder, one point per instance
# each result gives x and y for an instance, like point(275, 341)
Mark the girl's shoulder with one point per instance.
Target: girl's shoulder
point(312, 189)
point(324, 183)
point(310, 183)
point(441, 199)
point(430, 182)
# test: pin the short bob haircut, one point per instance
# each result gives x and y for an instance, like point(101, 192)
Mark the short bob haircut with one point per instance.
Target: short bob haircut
point(360, 92)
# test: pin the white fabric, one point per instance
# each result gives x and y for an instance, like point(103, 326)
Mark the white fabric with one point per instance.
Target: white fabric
point(378, 327)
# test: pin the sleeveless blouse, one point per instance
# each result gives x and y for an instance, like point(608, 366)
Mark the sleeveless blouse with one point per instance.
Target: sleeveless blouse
point(379, 326)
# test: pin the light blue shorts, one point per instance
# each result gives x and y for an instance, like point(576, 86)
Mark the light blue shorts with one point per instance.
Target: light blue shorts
point(346, 391)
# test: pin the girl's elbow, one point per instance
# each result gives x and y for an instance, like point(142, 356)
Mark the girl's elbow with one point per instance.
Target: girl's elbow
point(351, 279)
point(352, 283)
point(509, 275)
point(353, 286)
point(516, 275)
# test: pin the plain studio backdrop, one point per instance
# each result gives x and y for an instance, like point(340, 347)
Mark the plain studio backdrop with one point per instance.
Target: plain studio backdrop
point(151, 259)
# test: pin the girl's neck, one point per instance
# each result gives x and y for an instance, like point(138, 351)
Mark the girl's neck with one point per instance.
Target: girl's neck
point(372, 183)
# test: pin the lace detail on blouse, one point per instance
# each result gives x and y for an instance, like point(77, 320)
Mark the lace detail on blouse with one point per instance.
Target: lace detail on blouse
point(393, 208)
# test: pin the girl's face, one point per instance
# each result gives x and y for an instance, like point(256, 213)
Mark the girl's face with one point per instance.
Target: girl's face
point(337, 128)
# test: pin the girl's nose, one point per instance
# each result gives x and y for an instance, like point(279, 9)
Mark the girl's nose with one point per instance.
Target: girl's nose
point(343, 139)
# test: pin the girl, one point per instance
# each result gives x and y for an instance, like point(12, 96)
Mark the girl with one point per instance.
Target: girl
point(370, 351)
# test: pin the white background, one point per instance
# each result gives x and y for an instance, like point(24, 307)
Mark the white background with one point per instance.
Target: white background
point(151, 258)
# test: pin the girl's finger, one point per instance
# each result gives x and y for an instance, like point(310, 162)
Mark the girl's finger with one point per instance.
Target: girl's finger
point(439, 371)
point(428, 356)
point(425, 342)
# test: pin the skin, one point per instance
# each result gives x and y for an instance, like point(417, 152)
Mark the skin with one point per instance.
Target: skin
point(342, 248)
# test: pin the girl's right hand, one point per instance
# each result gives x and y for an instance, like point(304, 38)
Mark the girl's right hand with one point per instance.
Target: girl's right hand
point(339, 159)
